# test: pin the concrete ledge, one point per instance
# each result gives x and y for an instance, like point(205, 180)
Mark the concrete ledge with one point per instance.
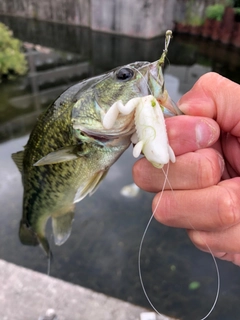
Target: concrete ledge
point(27, 295)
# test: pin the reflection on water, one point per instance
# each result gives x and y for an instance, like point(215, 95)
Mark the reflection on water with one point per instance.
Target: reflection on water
point(102, 251)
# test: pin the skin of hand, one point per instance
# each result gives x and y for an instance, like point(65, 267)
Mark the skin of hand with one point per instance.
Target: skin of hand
point(204, 196)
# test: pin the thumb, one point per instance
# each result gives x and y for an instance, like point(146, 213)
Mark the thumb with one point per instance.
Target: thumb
point(215, 97)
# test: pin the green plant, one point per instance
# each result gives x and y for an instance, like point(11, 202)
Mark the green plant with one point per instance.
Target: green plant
point(195, 21)
point(215, 12)
point(229, 3)
point(192, 16)
point(12, 60)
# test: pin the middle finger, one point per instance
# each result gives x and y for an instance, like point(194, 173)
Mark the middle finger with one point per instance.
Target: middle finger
point(210, 209)
point(193, 170)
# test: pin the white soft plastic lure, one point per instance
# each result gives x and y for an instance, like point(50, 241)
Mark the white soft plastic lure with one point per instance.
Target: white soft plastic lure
point(150, 137)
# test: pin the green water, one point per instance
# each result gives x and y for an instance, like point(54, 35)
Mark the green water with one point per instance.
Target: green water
point(102, 250)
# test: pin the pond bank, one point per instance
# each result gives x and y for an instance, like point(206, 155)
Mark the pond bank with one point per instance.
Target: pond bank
point(226, 31)
point(26, 294)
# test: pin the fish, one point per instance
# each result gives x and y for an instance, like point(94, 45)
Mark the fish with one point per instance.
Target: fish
point(69, 151)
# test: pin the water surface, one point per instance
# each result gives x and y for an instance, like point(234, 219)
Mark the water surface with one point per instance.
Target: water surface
point(102, 250)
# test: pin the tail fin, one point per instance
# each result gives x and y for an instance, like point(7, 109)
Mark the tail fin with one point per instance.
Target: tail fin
point(30, 238)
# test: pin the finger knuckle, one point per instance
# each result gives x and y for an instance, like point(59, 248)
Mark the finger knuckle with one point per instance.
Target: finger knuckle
point(228, 208)
point(208, 169)
point(160, 205)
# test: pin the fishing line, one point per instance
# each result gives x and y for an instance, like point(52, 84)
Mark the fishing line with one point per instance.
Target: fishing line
point(218, 278)
point(166, 180)
point(143, 237)
point(146, 82)
point(215, 263)
point(213, 258)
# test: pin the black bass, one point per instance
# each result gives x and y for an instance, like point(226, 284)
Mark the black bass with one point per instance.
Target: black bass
point(69, 151)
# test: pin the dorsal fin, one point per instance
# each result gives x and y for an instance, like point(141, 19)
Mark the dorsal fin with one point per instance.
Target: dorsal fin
point(18, 159)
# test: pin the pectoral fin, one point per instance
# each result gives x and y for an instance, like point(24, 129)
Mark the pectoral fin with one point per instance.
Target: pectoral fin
point(91, 186)
point(61, 155)
point(62, 227)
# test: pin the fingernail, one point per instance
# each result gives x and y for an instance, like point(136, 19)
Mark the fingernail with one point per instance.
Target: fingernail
point(205, 134)
point(184, 107)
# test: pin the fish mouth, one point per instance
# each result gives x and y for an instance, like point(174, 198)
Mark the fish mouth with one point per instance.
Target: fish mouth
point(98, 137)
point(102, 138)
point(105, 140)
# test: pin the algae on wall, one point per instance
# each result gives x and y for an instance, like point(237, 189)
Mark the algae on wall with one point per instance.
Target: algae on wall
point(192, 11)
point(137, 18)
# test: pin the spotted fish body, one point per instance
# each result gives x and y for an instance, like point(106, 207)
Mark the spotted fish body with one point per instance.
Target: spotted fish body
point(69, 151)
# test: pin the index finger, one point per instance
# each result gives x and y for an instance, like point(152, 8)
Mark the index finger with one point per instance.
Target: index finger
point(215, 97)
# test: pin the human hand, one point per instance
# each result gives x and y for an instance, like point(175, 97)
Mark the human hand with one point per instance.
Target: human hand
point(204, 196)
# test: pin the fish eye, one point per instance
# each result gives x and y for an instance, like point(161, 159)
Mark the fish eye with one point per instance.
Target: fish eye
point(124, 74)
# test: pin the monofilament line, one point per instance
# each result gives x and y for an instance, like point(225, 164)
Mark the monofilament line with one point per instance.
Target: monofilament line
point(218, 282)
point(141, 244)
point(140, 252)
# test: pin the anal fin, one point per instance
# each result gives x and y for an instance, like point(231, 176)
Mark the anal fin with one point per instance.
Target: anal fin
point(62, 226)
